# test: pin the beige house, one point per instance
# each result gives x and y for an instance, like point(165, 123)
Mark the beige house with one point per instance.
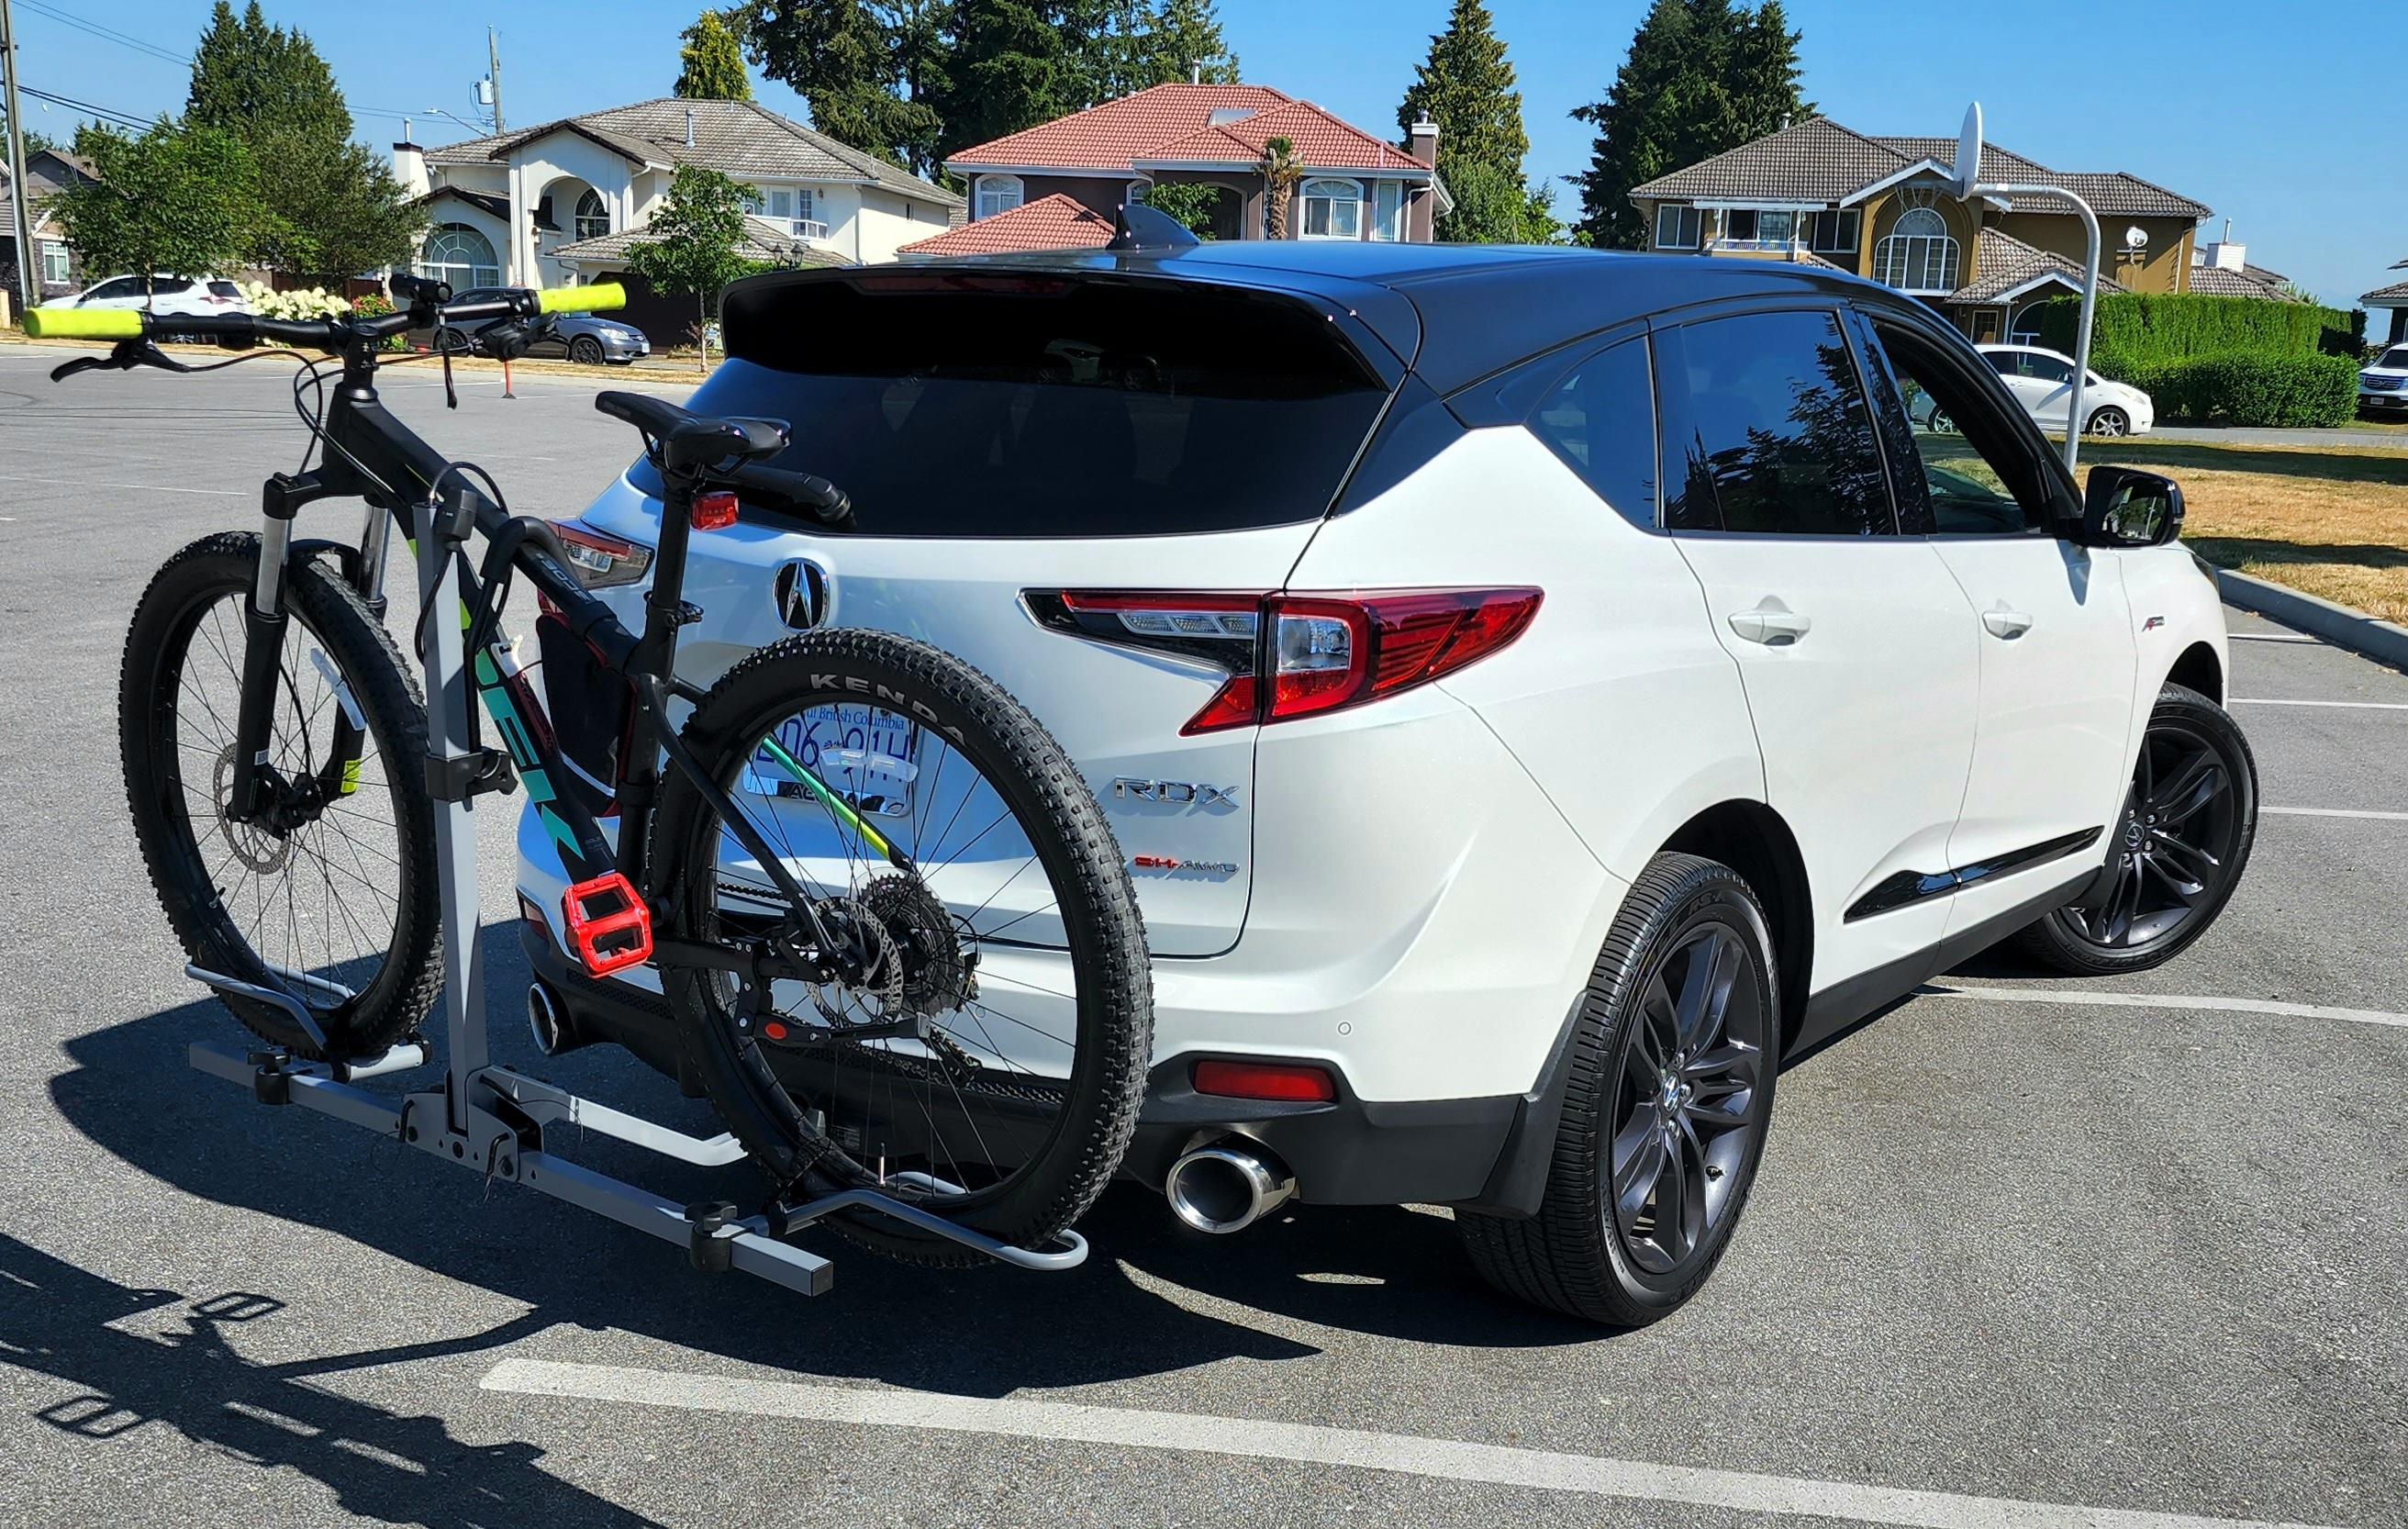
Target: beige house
point(1882, 209)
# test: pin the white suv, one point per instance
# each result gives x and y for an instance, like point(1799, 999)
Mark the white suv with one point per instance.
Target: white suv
point(205, 295)
point(2383, 384)
point(1538, 693)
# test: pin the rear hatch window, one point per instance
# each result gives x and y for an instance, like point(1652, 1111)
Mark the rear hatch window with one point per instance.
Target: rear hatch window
point(990, 405)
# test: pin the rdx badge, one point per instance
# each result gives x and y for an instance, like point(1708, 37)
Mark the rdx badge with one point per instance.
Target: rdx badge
point(1174, 792)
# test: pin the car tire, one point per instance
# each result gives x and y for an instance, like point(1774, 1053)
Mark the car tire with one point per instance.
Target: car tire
point(1605, 1257)
point(585, 350)
point(2110, 422)
point(453, 342)
point(2154, 840)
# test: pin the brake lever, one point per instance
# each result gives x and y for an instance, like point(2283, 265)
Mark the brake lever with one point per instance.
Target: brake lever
point(122, 357)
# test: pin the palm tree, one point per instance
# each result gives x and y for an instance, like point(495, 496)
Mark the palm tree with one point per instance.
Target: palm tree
point(1281, 174)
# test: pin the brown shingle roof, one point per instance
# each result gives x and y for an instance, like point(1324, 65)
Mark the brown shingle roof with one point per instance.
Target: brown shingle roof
point(2394, 295)
point(763, 240)
point(2002, 263)
point(737, 138)
point(2249, 281)
point(1819, 161)
point(1050, 222)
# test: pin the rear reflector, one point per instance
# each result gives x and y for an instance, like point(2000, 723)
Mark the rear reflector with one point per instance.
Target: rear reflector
point(1288, 1082)
point(1298, 655)
point(714, 511)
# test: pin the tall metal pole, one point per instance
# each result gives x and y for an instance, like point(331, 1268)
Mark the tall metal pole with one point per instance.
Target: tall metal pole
point(2073, 421)
point(493, 62)
point(17, 196)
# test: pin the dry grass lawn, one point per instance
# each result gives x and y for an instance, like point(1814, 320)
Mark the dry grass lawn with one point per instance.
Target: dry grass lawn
point(2321, 520)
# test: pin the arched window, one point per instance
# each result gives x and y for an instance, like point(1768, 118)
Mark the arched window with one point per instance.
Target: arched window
point(1333, 209)
point(592, 218)
point(997, 194)
point(456, 253)
point(1918, 254)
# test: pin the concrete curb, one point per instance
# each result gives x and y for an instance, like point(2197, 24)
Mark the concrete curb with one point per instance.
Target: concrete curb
point(2386, 642)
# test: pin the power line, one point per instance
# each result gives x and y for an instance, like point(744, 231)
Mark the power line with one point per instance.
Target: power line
point(104, 34)
point(104, 113)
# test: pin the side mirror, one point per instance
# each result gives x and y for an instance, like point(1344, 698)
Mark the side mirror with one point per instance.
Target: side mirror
point(2124, 506)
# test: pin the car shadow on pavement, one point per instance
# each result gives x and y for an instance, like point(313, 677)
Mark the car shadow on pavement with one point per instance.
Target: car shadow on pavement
point(1152, 1298)
point(60, 1320)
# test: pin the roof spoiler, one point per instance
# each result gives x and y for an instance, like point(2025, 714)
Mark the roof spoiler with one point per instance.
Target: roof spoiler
point(1141, 229)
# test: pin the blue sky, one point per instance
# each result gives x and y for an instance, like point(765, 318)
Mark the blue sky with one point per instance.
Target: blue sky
point(2278, 116)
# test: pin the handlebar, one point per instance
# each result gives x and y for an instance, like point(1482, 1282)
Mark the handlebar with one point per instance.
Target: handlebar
point(428, 304)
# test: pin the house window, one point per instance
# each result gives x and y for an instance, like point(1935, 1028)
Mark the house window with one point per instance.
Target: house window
point(458, 254)
point(1918, 254)
point(1387, 209)
point(592, 218)
point(998, 193)
point(792, 209)
point(1679, 227)
point(1834, 233)
point(1333, 209)
point(55, 272)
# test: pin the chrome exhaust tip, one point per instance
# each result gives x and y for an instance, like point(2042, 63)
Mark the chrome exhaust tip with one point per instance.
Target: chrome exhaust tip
point(1227, 1186)
point(549, 1022)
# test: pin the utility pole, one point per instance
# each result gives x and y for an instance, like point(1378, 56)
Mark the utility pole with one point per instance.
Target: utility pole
point(17, 191)
point(493, 59)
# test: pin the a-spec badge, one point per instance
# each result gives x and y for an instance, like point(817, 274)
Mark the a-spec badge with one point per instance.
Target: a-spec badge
point(800, 593)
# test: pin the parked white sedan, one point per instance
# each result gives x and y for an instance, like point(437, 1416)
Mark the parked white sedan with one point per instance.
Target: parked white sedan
point(2043, 381)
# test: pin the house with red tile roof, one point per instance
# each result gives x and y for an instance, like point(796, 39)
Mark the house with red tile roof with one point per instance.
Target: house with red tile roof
point(1355, 185)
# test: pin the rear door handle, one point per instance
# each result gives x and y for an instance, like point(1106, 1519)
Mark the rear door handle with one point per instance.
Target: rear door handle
point(1770, 624)
point(2006, 623)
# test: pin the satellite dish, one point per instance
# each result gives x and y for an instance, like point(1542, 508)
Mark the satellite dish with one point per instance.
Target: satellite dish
point(1968, 152)
point(2136, 237)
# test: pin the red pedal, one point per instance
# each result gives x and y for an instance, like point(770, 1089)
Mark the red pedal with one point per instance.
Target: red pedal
point(610, 928)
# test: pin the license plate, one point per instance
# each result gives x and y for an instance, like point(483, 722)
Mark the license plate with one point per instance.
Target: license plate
point(863, 753)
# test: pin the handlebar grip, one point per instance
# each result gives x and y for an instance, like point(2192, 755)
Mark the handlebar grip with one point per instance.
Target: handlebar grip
point(84, 323)
point(600, 297)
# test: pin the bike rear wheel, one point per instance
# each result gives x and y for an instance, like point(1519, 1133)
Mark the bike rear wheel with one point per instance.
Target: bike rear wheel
point(335, 901)
point(989, 1063)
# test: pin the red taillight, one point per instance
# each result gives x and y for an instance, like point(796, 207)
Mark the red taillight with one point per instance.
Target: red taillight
point(1298, 655)
point(1288, 1083)
point(600, 560)
point(714, 511)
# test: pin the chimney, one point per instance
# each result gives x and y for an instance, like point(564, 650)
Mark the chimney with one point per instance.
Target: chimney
point(2221, 254)
point(410, 165)
point(1421, 141)
point(689, 127)
point(1196, 73)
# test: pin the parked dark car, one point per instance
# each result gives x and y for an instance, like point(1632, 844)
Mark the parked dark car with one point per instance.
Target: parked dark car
point(586, 338)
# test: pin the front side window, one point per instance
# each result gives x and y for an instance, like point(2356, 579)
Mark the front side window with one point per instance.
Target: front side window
point(1601, 421)
point(116, 290)
point(1678, 227)
point(998, 193)
point(1977, 477)
point(592, 218)
point(1765, 429)
point(1919, 254)
point(1333, 209)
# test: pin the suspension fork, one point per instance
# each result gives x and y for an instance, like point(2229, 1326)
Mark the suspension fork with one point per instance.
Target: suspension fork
point(264, 618)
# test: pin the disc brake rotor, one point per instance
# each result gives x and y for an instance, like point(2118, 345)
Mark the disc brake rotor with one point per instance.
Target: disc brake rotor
point(263, 852)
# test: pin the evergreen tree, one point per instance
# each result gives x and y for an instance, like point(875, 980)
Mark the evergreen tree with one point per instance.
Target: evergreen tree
point(848, 60)
point(1702, 77)
point(176, 198)
point(1012, 68)
point(1466, 87)
point(1187, 34)
point(323, 207)
point(711, 62)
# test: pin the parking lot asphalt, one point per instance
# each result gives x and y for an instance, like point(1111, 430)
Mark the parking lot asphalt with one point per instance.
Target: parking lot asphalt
point(2025, 1250)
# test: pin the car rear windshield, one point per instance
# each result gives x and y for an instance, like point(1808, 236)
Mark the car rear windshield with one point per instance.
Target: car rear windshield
point(955, 405)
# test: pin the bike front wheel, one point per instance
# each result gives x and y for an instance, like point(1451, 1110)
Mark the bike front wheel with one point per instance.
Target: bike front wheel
point(988, 1062)
point(331, 895)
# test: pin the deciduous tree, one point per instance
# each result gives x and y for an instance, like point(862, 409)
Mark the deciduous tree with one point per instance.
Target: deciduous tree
point(691, 247)
point(174, 199)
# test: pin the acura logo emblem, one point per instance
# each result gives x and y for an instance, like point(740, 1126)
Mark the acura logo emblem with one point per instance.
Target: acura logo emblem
point(801, 594)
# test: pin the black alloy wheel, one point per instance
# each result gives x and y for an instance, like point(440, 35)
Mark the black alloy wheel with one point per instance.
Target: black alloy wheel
point(1666, 1097)
point(2174, 854)
point(585, 350)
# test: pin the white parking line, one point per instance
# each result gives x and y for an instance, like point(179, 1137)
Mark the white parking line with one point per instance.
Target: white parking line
point(140, 487)
point(2096, 999)
point(2332, 813)
point(1449, 1459)
point(2345, 705)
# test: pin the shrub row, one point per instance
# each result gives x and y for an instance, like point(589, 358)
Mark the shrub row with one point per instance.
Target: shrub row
point(2248, 387)
point(2147, 328)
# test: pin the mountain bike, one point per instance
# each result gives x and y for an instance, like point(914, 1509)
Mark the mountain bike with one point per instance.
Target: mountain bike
point(915, 964)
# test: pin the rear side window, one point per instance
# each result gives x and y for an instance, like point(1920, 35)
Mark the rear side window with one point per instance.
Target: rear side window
point(952, 404)
point(224, 289)
point(1601, 421)
point(1765, 429)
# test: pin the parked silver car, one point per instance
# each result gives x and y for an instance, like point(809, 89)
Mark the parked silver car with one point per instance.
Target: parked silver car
point(583, 338)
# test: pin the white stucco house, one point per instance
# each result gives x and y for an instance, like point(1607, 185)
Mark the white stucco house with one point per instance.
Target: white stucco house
point(563, 202)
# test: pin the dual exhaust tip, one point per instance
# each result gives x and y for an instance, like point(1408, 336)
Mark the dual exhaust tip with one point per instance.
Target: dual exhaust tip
point(549, 1022)
point(1227, 1186)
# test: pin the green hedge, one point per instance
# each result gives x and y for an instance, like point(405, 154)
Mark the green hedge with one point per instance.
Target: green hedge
point(2244, 388)
point(2149, 328)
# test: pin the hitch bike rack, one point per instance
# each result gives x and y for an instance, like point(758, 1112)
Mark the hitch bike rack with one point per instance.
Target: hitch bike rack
point(490, 1119)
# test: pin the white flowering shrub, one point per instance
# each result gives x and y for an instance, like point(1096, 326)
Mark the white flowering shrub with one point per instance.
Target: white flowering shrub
point(307, 303)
